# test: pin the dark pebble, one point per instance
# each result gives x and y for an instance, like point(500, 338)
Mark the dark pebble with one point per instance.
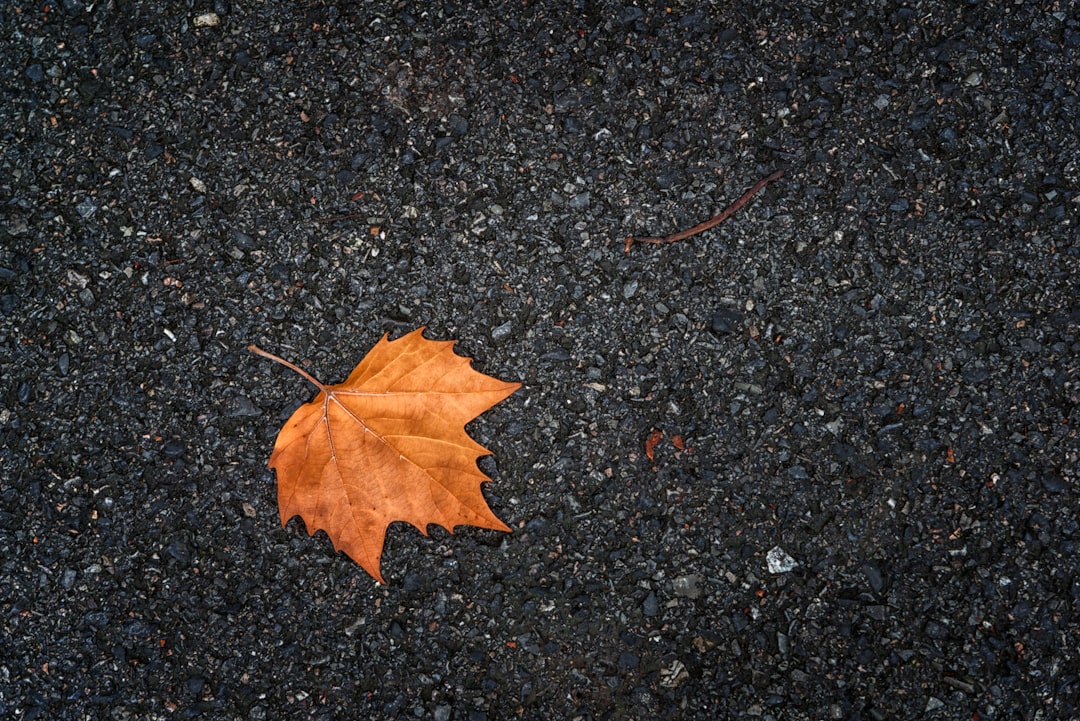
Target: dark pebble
point(36, 73)
point(195, 685)
point(179, 550)
point(413, 581)
point(726, 320)
point(935, 630)
point(650, 607)
point(579, 201)
point(630, 14)
point(798, 473)
point(667, 181)
point(240, 407)
point(1021, 610)
point(242, 240)
point(877, 612)
point(1054, 484)
point(844, 451)
point(90, 89)
point(873, 576)
point(458, 125)
point(975, 374)
point(501, 332)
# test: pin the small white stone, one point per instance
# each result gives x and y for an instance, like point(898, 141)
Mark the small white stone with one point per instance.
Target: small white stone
point(206, 20)
point(197, 185)
point(779, 561)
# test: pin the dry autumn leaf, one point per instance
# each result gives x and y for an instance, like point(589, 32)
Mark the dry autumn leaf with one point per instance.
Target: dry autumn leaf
point(388, 444)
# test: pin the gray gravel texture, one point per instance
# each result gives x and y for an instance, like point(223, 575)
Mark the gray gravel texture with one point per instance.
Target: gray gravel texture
point(871, 368)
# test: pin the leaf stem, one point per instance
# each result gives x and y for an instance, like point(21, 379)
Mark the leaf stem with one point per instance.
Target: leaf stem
point(307, 376)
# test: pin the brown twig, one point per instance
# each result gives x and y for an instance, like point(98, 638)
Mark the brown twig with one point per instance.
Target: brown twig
point(710, 223)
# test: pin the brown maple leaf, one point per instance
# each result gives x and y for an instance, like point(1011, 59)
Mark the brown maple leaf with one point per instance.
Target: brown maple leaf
point(388, 444)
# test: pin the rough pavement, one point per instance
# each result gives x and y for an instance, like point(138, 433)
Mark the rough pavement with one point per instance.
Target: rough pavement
point(864, 501)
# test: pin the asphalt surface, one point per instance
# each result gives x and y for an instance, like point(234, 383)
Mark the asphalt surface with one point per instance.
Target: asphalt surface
point(862, 501)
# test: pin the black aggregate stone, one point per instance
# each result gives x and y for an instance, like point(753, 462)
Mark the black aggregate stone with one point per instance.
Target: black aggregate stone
point(873, 365)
